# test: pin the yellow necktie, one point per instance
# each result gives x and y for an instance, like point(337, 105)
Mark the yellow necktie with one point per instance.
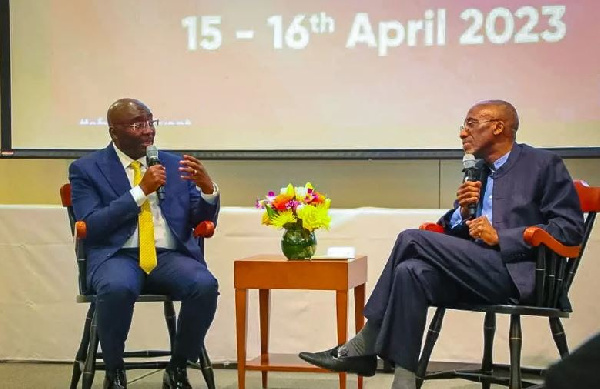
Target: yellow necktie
point(145, 227)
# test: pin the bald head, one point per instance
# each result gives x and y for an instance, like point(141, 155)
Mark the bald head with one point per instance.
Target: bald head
point(130, 126)
point(123, 109)
point(489, 129)
point(503, 111)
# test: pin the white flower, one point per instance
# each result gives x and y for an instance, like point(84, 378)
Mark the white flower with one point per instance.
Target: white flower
point(300, 192)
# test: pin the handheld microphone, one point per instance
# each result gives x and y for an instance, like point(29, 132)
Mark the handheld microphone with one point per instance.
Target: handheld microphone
point(151, 160)
point(472, 173)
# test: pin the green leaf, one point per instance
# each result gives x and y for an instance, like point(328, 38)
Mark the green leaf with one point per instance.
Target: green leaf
point(271, 212)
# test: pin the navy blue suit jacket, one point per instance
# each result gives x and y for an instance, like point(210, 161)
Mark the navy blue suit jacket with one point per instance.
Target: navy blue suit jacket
point(101, 198)
point(533, 188)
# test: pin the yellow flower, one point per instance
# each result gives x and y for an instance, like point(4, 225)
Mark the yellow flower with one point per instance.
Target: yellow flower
point(300, 205)
point(314, 217)
point(265, 219)
point(289, 190)
point(283, 218)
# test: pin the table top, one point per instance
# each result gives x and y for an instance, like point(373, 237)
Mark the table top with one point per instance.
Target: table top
point(282, 258)
point(270, 271)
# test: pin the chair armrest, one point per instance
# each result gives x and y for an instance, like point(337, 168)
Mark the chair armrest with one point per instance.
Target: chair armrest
point(535, 236)
point(79, 234)
point(80, 230)
point(204, 229)
point(433, 227)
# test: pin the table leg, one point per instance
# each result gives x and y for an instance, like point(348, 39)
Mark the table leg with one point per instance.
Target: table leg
point(264, 306)
point(341, 304)
point(359, 319)
point(241, 321)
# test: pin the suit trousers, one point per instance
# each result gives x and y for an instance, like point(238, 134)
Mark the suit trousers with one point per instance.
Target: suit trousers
point(427, 268)
point(119, 281)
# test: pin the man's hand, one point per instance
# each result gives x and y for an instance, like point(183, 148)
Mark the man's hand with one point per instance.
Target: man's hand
point(154, 177)
point(192, 169)
point(480, 228)
point(467, 194)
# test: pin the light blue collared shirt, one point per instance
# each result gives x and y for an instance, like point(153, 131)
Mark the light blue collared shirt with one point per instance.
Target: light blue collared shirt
point(485, 205)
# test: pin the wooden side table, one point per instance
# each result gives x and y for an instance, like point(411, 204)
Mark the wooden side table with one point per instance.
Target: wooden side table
point(266, 272)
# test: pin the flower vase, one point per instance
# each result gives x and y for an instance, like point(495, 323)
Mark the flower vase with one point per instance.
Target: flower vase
point(298, 243)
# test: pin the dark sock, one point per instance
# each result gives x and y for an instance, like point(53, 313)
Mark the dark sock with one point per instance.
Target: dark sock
point(363, 343)
point(403, 379)
point(112, 374)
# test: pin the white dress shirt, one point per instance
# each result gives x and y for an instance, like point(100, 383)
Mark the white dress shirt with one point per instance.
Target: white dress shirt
point(163, 237)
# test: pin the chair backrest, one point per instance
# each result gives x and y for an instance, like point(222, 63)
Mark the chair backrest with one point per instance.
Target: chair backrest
point(555, 271)
point(589, 197)
point(79, 231)
point(65, 198)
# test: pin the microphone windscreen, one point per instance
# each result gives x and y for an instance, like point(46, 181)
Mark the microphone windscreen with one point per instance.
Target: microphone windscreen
point(151, 152)
point(469, 161)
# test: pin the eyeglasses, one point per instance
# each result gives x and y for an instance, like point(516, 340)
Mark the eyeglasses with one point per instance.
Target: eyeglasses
point(470, 123)
point(142, 125)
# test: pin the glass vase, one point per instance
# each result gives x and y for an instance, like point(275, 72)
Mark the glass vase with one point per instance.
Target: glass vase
point(298, 243)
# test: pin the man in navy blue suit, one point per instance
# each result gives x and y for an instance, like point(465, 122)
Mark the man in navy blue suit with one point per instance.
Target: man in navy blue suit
point(478, 259)
point(107, 196)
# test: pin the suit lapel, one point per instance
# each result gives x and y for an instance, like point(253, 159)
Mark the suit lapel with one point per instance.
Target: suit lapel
point(112, 169)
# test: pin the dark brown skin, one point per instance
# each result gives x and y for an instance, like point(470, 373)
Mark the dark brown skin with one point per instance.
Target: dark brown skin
point(122, 115)
point(192, 169)
point(488, 133)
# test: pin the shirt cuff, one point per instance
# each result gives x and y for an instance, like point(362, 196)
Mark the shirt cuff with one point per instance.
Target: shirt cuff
point(456, 218)
point(138, 195)
point(212, 197)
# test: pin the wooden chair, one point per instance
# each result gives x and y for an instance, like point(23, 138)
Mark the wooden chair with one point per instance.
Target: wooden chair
point(555, 270)
point(86, 360)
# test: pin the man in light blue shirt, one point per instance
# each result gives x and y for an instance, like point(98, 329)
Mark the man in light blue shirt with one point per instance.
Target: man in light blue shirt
point(483, 259)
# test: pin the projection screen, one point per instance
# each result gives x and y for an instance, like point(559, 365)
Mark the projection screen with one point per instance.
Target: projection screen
point(311, 75)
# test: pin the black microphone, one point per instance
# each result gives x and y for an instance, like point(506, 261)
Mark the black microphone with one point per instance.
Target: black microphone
point(151, 160)
point(472, 171)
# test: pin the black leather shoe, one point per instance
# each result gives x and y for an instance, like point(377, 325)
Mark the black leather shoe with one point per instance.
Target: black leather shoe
point(176, 378)
point(115, 379)
point(364, 365)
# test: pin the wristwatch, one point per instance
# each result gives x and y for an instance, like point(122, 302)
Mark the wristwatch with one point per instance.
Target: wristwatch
point(215, 189)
